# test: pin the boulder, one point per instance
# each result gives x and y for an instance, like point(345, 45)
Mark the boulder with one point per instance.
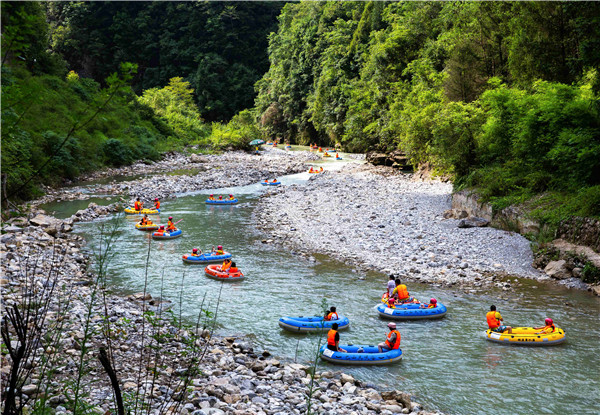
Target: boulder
point(41, 220)
point(473, 223)
point(195, 158)
point(557, 270)
point(12, 229)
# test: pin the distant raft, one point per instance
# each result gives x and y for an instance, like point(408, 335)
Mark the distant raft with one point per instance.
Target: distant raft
point(214, 272)
point(277, 183)
point(205, 258)
point(339, 158)
point(221, 202)
point(167, 235)
point(309, 324)
point(369, 355)
point(526, 336)
point(146, 227)
point(411, 311)
point(132, 211)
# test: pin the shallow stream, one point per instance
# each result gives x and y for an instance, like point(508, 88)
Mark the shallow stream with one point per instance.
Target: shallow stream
point(447, 363)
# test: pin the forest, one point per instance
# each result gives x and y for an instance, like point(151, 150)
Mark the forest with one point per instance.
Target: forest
point(499, 96)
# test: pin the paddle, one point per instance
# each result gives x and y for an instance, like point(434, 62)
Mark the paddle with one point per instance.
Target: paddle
point(177, 221)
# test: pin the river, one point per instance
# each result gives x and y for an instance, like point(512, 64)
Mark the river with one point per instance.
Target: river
point(447, 363)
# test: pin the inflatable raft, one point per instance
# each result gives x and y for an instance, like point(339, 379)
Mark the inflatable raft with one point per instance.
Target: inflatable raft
point(327, 155)
point(411, 311)
point(315, 171)
point(277, 183)
point(214, 271)
point(147, 227)
point(205, 258)
point(526, 336)
point(132, 211)
point(339, 158)
point(221, 202)
point(307, 324)
point(369, 355)
point(167, 235)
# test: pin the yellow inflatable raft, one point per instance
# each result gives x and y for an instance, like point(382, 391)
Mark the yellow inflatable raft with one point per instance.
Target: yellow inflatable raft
point(146, 227)
point(143, 211)
point(527, 336)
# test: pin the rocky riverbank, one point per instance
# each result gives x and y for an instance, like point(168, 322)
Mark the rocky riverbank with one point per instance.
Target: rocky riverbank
point(380, 219)
point(179, 173)
point(157, 362)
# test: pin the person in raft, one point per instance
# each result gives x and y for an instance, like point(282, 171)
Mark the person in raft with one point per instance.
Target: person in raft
point(331, 314)
point(392, 341)
point(233, 268)
point(391, 284)
point(226, 265)
point(400, 292)
point(220, 197)
point(161, 230)
point(156, 203)
point(137, 205)
point(311, 170)
point(266, 180)
point(274, 180)
point(391, 302)
point(548, 328)
point(145, 221)
point(432, 304)
point(219, 250)
point(211, 197)
point(196, 252)
point(333, 339)
point(170, 226)
point(321, 169)
point(494, 320)
point(231, 197)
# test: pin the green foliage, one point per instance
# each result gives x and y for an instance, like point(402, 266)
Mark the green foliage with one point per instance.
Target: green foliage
point(220, 47)
point(590, 274)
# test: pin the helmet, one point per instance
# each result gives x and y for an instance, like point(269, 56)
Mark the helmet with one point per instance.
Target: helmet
point(170, 217)
point(392, 325)
point(156, 199)
point(162, 227)
point(220, 247)
point(549, 321)
point(195, 250)
point(212, 195)
point(230, 195)
point(433, 301)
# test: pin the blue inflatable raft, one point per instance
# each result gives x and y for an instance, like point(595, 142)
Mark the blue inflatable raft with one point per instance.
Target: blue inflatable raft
point(271, 183)
point(369, 355)
point(221, 202)
point(167, 235)
point(308, 324)
point(205, 258)
point(411, 311)
point(338, 158)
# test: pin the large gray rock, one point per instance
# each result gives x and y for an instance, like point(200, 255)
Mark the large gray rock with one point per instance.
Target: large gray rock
point(42, 220)
point(12, 229)
point(473, 223)
point(557, 269)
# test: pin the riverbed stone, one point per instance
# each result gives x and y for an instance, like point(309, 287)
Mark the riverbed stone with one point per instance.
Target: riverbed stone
point(557, 270)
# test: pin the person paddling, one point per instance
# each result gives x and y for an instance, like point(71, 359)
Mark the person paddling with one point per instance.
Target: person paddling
point(392, 341)
point(170, 225)
point(333, 339)
point(137, 205)
point(548, 328)
point(156, 204)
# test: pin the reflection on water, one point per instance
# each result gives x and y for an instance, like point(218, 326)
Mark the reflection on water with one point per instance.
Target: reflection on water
point(447, 363)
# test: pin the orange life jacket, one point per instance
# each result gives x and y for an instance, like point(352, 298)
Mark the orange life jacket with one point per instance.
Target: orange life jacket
point(402, 292)
point(137, 205)
point(220, 197)
point(548, 329)
point(492, 321)
point(330, 316)
point(396, 344)
point(226, 265)
point(331, 337)
point(274, 180)
point(233, 269)
point(157, 205)
point(170, 226)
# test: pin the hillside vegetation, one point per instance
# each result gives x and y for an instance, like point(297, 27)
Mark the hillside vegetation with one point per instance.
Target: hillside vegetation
point(502, 96)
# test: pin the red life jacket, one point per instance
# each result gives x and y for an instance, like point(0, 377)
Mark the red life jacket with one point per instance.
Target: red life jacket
point(330, 316)
point(396, 344)
point(331, 337)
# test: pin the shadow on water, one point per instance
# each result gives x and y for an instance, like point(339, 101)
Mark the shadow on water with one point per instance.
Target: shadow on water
point(447, 363)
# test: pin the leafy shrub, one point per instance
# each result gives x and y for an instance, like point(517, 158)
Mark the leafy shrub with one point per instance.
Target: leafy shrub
point(116, 153)
point(590, 274)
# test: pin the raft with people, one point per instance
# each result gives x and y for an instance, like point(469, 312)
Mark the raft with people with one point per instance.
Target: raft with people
point(327, 155)
point(146, 227)
point(221, 201)
point(132, 211)
point(356, 354)
point(167, 234)
point(303, 324)
point(527, 336)
point(316, 171)
point(410, 309)
point(205, 258)
point(275, 182)
point(216, 272)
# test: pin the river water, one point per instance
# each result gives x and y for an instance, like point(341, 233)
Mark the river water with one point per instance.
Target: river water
point(447, 363)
